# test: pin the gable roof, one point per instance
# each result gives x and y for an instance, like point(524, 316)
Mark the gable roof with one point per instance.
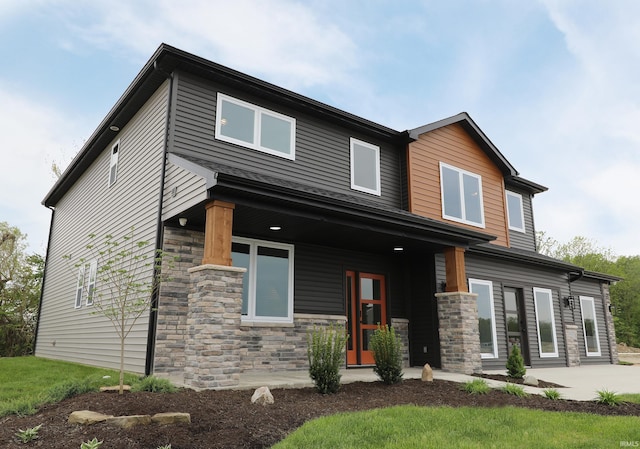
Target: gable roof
point(476, 134)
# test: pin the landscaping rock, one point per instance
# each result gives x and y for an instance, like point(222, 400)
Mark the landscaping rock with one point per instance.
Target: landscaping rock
point(171, 418)
point(115, 388)
point(262, 396)
point(427, 373)
point(530, 380)
point(87, 417)
point(127, 422)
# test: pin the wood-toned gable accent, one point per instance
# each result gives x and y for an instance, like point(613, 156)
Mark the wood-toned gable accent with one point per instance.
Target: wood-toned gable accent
point(451, 144)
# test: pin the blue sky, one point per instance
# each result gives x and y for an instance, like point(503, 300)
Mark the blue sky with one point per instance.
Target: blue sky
point(554, 84)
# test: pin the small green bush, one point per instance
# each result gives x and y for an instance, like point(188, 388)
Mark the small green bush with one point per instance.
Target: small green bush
point(476, 386)
point(552, 393)
point(515, 390)
point(387, 353)
point(91, 444)
point(29, 434)
point(515, 364)
point(154, 385)
point(325, 352)
point(608, 397)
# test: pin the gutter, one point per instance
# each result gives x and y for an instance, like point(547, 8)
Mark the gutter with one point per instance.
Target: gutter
point(44, 277)
point(155, 295)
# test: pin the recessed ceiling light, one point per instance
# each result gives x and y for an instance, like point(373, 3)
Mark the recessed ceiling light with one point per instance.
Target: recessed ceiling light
point(398, 248)
point(275, 228)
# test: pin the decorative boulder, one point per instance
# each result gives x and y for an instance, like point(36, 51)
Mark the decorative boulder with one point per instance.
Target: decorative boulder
point(127, 422)
point(87, 417)
point(171, 418)
point(530, 380)
point(262, 396)
point(427, 373)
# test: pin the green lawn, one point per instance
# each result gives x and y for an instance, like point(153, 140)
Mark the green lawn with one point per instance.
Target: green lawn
point(27, 382)
point(411, 427)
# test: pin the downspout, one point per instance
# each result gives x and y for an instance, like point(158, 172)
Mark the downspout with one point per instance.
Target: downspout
point(44, 277)
point(155, 295)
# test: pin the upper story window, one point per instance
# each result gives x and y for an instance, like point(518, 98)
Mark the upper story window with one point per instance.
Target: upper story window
point(267, 293)
point(515, 211)
point(254, 127)
point(461, 195)
point(365, 166)
point(87, 274)
point(113, 164)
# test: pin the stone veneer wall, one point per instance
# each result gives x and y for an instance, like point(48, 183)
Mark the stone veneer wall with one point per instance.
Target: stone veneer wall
point(571, 341)
point(186, 248)
point(459, 332)
point(401, 326)
point(611, 329)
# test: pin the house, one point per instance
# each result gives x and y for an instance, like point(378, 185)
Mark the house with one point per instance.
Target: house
point(285, 213)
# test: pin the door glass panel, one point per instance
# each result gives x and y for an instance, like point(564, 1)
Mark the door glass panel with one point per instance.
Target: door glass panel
point(371, 313)
point(272, 282)
point(370, 289)
point(240, 258)
point(366, 338)
point(350, 300)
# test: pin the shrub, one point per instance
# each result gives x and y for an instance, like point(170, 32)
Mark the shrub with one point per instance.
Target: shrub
point(154, 385)
point(476, 386)
point(551, 393)
point(29, 434)
point(387, 353)
point(515, 390)
point(515, 364)
point(608, 397)
point(91, 444)
point(325, 349)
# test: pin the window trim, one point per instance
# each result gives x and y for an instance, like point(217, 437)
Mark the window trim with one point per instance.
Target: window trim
point(91, 281)
point(494, 333)
point(113, 163)
point(376, 149)
point(519, 196)
point(591, 299)
point(251, 316)
point(537, 290)
point(258, 111)
point(463, 219)
point(79, 286)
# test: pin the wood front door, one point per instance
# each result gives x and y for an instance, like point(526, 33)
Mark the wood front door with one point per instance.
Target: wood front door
point(366, 304)
point(516, 322)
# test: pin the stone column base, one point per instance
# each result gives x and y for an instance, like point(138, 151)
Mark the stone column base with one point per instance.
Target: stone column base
point(571, 339)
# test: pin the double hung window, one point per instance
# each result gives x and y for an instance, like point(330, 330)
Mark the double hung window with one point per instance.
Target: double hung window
point(86, 282)
point(255, 127)
point(267, 293)
point(461, 195)
point(515, 211)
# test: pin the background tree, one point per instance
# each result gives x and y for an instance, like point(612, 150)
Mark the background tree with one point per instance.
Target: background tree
point(625, 295)
point(128, 273)
point(20, 284)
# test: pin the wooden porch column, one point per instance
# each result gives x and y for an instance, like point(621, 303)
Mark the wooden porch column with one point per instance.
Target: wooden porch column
point(454, 266)
point(217, 233)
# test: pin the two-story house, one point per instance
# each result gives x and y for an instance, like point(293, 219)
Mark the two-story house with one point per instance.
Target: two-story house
point(285, 213)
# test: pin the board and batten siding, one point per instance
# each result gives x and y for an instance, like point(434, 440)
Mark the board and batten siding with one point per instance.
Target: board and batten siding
point(322, 154)
point(183, 189)
point(524, 240)
point(92, 207)
point(525, 277)
point(452, 145)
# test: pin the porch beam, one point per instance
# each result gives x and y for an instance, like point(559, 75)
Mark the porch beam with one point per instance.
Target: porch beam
point(456, 277)
point(217, 233)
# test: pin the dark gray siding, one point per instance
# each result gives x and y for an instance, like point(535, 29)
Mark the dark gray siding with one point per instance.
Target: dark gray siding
point(591, 288)
point(526, 277)
point(322, 149)
point(320, 276)
point(519, 239)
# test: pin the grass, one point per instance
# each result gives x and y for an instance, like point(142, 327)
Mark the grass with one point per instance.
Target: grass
point(412, 427)
point(26, 383)
point(515, 390)
point(476, 386)
point(552, 393)
point(608, 397)
point(628, 397)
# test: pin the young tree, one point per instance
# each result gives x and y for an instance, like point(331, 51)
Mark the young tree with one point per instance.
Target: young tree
point(20, 283)
point(128, 273)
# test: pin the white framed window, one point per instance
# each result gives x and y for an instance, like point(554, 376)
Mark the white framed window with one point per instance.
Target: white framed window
point(79, 287)
point(590, 326)
point(252, 126)
point(113, 163)
point(365, 166)
point(267, 293)
point(486, 317)
point(515, 211)
point(545, 322)
point(92, 268)
point(461, 195)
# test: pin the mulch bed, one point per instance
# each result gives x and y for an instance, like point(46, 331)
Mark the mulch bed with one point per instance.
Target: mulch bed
point(227, 419)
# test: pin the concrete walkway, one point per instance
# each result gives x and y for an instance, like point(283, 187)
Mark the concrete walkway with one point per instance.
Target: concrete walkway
point(581, 383)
